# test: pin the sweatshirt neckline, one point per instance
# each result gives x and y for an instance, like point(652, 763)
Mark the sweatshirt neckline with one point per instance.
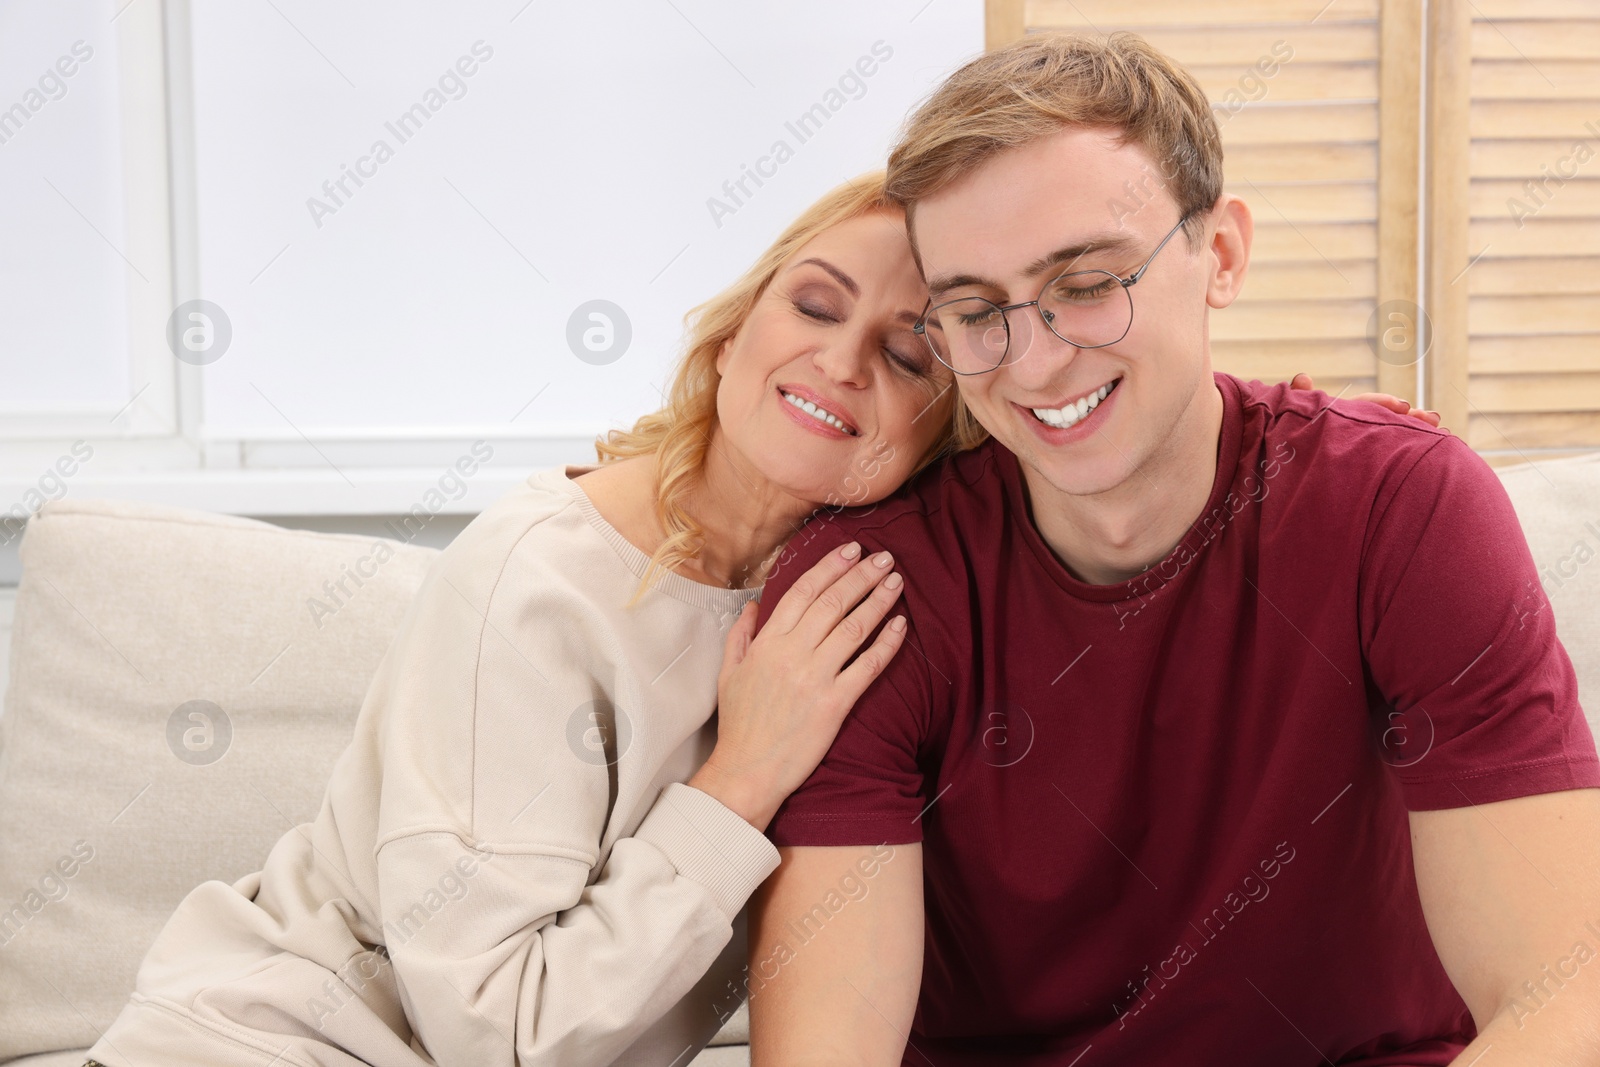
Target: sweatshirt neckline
point(710, 597)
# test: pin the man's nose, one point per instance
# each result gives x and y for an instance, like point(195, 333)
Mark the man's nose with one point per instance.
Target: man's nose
point(1037, 355)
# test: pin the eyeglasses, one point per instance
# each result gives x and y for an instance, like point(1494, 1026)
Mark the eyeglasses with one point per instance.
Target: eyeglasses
point(1085, 308)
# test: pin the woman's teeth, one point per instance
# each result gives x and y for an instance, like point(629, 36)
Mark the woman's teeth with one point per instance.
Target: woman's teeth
point(817, 413)
point(1061, 418)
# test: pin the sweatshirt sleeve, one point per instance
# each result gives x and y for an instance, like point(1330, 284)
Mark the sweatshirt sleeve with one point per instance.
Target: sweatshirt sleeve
point(512, 957)
point(514, 939)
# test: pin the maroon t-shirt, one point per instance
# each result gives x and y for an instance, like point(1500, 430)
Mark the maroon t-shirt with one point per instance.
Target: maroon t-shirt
point(1164, 821)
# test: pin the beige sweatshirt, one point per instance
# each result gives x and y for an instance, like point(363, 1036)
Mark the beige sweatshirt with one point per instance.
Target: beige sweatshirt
point(507, 867)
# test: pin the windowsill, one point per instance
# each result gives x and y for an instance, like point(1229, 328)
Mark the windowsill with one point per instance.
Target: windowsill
point(355, 491)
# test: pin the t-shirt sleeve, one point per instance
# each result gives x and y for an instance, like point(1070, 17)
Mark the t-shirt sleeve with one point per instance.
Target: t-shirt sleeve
point(868, 790)
point(1461, 641)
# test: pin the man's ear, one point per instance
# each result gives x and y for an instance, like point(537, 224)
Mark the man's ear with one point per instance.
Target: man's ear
point(1230, 250)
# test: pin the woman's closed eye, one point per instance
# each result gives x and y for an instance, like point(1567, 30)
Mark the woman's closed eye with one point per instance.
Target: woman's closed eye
point(908, 357)
point(905, 355)
point(812, 309)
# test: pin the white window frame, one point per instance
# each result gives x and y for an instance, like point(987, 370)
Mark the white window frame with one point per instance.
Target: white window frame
point(154, 446)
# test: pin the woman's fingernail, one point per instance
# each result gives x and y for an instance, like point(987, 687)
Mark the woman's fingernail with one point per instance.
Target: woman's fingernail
point(882, 559)
point(893, 581)
point(898, 623)
point(852, 550)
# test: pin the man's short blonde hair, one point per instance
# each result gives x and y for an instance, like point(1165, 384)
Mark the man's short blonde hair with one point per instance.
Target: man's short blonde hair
point(1046, 82)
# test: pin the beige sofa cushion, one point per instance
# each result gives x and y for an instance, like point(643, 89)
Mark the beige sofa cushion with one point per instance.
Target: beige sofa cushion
point(1558, 503)
point(114, 800)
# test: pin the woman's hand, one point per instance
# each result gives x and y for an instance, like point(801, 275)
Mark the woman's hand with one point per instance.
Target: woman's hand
point(1393, 403)
point(783, 693)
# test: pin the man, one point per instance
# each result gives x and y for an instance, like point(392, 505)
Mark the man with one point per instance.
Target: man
point(1232, 726)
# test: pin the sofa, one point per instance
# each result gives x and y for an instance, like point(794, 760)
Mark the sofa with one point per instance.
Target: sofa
point(177, 698)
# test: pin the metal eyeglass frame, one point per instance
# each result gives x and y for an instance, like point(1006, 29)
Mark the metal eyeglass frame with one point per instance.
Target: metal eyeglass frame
point(920, 328)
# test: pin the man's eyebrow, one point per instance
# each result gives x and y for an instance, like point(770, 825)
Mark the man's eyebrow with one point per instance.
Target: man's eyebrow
point(1110, 242)
point(840, 276)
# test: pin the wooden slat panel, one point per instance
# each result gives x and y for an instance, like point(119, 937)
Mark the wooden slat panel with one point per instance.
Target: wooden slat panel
point(1004, 21)
point(1550, 79)
point(1539, 355)
point(1549, 198)
point(1535, 277)
point(1534, 41)
point(1294, 80)
point(1334, 241)
point(1293, 320)
point(1278, 163)
point(1533, 9)
point(1536, 202)
point(1536, 392)
point(1311, 280)
point(1301, 124)
point(1535, 237)
point(1447, 247)
point(1399, 174)
point(1166, 13)
point(1269, 360)
point(1519, 159)
point(1242, 46)
point(1309, 201)
point(1556, 429)
point(1533, 315)
point(1568, 120)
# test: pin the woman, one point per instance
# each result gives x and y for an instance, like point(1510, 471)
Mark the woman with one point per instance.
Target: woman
point(538, 846)
point(525, 854)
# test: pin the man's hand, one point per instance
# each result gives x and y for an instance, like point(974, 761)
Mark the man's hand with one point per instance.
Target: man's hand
point(1511, 894)
point(1394, 403)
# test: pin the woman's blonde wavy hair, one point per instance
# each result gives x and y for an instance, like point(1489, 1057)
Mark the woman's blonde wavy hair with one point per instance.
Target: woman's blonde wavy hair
point(679, 434)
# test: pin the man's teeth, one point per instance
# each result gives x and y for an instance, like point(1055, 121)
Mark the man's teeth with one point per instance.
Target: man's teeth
point(818, 413)
point(1070, 415)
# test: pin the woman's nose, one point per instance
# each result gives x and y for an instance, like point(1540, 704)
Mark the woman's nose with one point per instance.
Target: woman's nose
point(846, 359)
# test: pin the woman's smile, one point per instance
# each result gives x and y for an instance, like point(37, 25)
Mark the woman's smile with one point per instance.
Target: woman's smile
point(816, 413)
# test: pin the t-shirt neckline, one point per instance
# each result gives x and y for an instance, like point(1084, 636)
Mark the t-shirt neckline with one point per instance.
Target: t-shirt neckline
point(711, 597)
point(1229, 445)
